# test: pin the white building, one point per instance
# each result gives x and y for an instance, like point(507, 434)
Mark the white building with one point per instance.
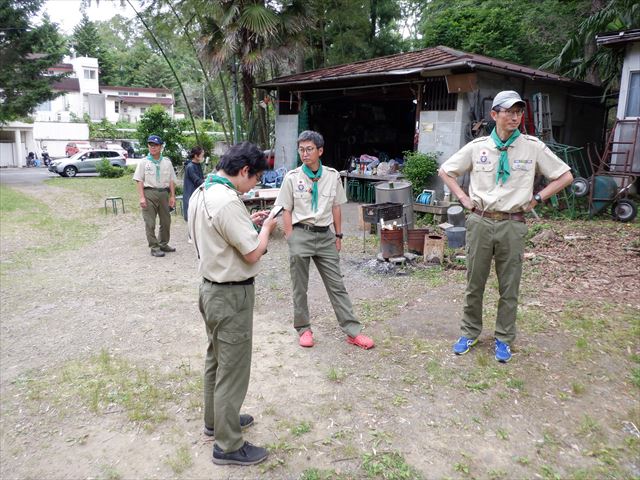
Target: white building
point(56, 121)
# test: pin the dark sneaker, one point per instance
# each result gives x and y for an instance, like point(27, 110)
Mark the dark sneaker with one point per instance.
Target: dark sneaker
point(246, 455)
point(463, 345)
point(246, 420)
point(167, 248)
point(156, 252)
point(503, 352)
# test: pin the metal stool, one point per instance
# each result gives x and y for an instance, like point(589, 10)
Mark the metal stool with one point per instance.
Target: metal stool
point(354, 190)
point(114, 204)
point(178, 199)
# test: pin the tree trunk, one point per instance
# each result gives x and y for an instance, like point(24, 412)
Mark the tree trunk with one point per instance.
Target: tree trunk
point(590, 47)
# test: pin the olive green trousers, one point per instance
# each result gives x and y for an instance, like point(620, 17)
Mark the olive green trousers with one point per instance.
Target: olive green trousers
point(321, 247)
point(157, 206)
point(502, 241)
point(228, 317)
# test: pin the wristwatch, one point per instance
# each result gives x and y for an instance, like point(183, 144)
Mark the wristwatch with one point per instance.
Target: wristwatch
point(339, 235)
point(537, 198)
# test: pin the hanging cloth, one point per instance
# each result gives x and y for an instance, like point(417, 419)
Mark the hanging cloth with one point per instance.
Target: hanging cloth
point(503, 165)
point(314, 178)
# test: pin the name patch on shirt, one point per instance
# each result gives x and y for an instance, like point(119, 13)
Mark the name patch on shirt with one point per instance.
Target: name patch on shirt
point(524, 165)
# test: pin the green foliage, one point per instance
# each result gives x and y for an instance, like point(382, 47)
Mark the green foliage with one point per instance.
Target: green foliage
point(155, 73)
point(26, 54)
point(390, 466)
point(87, 42)
point(156, 121)
point(106, 170)
point(102, 129)
point(419, 168)
point(522, 31)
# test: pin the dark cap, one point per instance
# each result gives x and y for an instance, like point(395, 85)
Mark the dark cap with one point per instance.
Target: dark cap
point(155, 139)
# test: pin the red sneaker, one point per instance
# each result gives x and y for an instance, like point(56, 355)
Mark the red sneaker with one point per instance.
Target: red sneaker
point(306, 339)
point(361, 341)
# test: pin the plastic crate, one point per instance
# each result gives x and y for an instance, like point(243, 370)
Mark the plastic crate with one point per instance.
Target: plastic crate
point(387, 211)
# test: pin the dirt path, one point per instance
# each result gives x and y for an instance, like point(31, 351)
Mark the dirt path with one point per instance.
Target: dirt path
point(560, 409)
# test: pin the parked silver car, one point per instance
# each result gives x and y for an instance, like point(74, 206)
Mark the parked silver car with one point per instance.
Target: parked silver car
point(85, 162)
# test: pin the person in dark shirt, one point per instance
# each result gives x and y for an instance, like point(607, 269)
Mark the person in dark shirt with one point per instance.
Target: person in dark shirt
point(193, 177)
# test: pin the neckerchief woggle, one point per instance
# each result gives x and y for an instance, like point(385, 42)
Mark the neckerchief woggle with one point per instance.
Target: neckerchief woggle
point(503, 165)
point(157, 164)
point(314, 178)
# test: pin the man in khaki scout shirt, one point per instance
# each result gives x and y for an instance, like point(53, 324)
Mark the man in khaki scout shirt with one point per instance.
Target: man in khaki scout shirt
point(311, 196)
point(229, 247)
point(156, 184)
point(502, 169)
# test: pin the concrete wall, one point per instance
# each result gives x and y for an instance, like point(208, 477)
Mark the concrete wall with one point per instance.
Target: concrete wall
point(286, 141)
point(17, 140)
point(55, 135)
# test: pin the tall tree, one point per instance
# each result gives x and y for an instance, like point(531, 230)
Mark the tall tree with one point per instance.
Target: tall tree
point(86, 39)
point(26, 54)
point(521, 31)
point(579, 57)
point(154, 72)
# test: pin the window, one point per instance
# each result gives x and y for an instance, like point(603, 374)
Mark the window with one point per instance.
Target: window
point(161, 95)
point(89, 74)
point(143, 109)
point(633, 97)
point(44, 106)
point(435, 95)
point(116, 107)
point(123, 94)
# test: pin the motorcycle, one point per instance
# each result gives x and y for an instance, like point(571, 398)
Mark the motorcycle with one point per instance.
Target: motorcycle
point(46, 159)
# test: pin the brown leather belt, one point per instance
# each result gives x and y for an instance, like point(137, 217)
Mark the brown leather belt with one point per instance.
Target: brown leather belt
point(310, 228)
point(518, 216)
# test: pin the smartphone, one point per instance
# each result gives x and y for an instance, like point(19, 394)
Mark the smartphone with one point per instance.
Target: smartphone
point(277, 210)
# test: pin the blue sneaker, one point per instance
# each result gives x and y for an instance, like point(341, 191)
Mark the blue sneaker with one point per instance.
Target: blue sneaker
point(503, 352)
point(463, 345)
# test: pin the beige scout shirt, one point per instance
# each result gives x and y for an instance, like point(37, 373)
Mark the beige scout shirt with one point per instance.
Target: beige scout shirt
point(295, 196)
point(223, 233)
point(146, 173)
point(527, 157)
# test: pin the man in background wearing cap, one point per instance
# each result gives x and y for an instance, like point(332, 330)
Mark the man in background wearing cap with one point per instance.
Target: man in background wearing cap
point(156, 184)
point(502, 168)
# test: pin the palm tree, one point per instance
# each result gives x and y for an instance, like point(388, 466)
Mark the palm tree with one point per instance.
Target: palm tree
point(256, 37)
point(580, 59)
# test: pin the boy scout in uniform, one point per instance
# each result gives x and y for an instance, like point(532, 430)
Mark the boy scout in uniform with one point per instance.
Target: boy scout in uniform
point(156, 184)
point(311, 196)
point(502, 169)
point(229, 248)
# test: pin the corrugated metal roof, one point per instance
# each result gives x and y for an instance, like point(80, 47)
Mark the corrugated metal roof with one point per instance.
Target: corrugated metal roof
point(410, 63)
point(621, 37)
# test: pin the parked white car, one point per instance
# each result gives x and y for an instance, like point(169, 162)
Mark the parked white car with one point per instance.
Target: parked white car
point(117, 147)
point(85, 162)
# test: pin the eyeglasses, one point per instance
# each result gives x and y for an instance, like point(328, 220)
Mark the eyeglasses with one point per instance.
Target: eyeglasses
point(308, 150)
point(513, 113)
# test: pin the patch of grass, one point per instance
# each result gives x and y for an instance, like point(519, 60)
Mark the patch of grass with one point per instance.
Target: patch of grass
point(25, 217)
point(462, 467)
point(515, 383)
point(433, 276)
point(399, 400)
point(98, 188)
point(635, 376)
point(502, 434)
point(301, 429)
point(577, 388)
point(409, 379)
point(532, 320)
point(336, 374)
point(319, 474)
point(368, 311)
point(589, 426)
point(105, 384)
point(380, 436)
point(280, 447)
point(497, 474)
point(109, 473)
point(548, 473)
point(181, 460)
point(389, 466)
point(524, 461)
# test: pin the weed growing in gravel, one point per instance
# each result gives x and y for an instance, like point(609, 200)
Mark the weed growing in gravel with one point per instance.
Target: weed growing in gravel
point(109, 473)
point(433, 277)
point(577, 388)
point(301, 429)
point(318, 474)
point(181, 461)
point(368, 311)
point(589, 426)
point(335, 374)
point(388, 465)
point(109, 384)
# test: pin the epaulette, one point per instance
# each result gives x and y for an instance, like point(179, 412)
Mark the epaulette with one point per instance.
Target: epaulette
point(479, 139)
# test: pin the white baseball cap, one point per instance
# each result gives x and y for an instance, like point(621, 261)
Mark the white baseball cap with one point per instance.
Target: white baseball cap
point(506, 99)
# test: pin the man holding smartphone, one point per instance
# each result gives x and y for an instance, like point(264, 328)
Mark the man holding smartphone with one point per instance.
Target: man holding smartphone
point(311, 196)
point(229, 249)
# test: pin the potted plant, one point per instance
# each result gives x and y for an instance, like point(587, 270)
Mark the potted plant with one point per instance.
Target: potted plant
point(419, 168)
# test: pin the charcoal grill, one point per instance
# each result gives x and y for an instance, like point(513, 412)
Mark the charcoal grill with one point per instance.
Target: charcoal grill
point(387, 211)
